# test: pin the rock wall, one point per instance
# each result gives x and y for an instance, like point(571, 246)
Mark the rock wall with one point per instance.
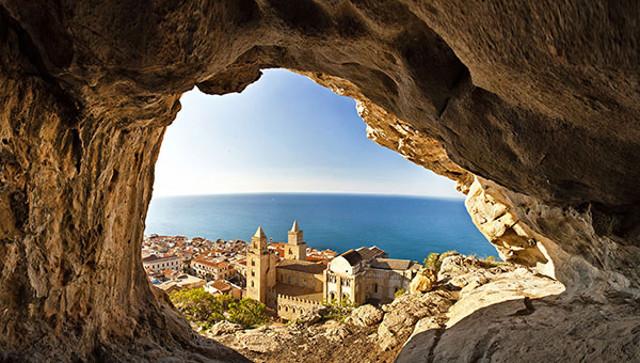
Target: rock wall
point(531, 106)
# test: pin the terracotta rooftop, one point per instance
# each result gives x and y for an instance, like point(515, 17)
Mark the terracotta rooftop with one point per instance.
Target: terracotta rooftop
point(152, 258)
point(208, 262)
point(316, 258)
point(391, 264)
point(221, 285)
point(368, 253)
point(353, 257)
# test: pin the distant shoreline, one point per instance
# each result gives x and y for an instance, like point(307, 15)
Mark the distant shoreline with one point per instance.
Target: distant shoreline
point(382, 195)
point(404, 226)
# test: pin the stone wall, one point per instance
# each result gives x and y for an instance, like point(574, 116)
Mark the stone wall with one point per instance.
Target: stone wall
point(291, 307)
point(387, 281)
point(314, 282)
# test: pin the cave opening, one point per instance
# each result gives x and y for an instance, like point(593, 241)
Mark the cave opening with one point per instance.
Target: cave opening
point(531, 106)
point(285, 131)
point(285, 134)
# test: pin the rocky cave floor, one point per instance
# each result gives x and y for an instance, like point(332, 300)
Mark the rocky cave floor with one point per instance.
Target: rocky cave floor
point(436, 301)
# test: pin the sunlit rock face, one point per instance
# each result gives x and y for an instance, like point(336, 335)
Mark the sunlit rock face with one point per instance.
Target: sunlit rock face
point(531, 106)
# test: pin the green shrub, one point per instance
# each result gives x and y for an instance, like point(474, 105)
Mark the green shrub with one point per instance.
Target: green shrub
point(204, 309)
point(489, 261)
point(200, 307)
point(247, 312)
point(432, 261)
point(337, 310)
point(399, 293)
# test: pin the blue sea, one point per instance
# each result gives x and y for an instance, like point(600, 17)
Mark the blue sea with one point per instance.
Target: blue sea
point(405, 227)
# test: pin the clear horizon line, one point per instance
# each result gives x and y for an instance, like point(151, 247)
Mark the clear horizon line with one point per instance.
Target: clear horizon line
point(462, 197)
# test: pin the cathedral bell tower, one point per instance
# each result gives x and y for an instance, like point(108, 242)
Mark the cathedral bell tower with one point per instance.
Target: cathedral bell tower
point(296, 249)
point(259, 269)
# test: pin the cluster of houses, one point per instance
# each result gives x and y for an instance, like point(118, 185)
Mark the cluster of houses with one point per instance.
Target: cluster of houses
point(289, 277)
point(177, 262)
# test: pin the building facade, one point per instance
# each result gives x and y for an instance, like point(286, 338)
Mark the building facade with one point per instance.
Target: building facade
point(365, 275)
point(261, 268)
point(290, 286)
point(157, 263)
point(212, 270)
point(293, 286)
point(296, 248)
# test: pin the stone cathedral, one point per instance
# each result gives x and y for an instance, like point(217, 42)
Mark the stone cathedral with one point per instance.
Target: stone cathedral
point(289, 286)
point(292, 285)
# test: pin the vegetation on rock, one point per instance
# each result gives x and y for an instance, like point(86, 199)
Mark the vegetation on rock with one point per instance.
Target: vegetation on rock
point(399, 293)
point(203, 309)
point(432, 261)
point(337, 310)
point(247, 312)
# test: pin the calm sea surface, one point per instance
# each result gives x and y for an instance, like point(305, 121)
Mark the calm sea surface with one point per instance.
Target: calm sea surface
point(405, 227)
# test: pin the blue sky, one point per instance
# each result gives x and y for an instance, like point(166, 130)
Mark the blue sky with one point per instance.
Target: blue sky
point(284, 133)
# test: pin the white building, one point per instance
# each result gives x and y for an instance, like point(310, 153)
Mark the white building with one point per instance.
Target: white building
point(183, 281)
point(364, 275)
point(211, 269)
point(157, 263)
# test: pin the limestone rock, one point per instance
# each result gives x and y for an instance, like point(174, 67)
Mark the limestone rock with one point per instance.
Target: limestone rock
point(365, 315)
point(309, 317)
point(468, 272)
point(224, 327)
point(518, 284)
point(423, 281)
point(337, 334)
point(427, 323)
point(403, 313)
point(260, 343)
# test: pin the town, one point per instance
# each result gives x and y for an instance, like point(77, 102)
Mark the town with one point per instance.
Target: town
point(290, 278)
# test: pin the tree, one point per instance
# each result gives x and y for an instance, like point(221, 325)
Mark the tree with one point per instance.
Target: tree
point(200, 307)
point(247, 312)
point(204, 309)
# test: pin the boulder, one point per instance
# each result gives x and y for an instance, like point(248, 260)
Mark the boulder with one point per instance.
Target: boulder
point(337, 333)
point(224, 327)
point(365, 315)
point(403, 314)
point(309, 317)
point(423, 282)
